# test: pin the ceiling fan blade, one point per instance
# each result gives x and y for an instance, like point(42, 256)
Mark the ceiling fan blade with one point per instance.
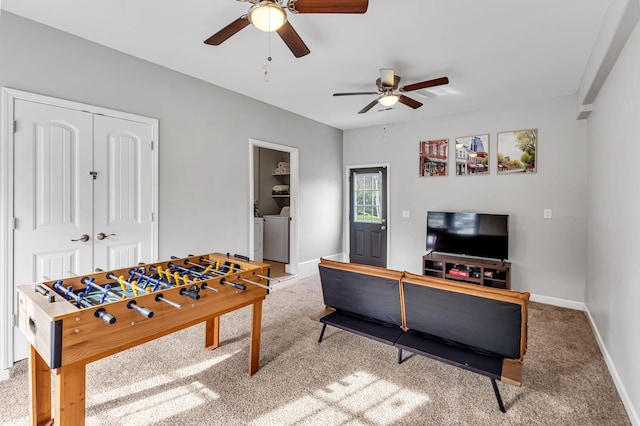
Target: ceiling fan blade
point(424, 84)
point(355, 93)
point(293, 40)
point(409, 102)
point(331, 6)
point(386, 77)
point(228, 31)
point(368, 107)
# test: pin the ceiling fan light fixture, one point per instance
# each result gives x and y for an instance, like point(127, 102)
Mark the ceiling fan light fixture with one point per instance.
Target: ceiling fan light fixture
point(267, 16)
point(388, 99)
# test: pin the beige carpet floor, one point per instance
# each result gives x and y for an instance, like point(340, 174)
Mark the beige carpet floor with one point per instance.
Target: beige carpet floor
point(345, 380)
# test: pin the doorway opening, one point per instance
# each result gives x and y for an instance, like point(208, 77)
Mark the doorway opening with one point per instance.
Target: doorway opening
point(273, 202)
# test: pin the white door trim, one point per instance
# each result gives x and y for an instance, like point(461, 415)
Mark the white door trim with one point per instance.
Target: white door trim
point(292, 267)
point(346, 240)
point(7, 302)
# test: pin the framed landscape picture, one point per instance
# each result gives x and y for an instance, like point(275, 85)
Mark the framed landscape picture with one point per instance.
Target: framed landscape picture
point(517, 151)
point(433, 157)
point(472, 155)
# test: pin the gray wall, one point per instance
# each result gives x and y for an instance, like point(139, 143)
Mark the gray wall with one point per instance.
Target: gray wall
point(548, 255)
point(613, 208)
point(204, 138)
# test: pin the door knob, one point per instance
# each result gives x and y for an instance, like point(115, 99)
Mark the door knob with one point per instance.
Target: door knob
point(84, 238)
point(101, 236)
point(384, 228)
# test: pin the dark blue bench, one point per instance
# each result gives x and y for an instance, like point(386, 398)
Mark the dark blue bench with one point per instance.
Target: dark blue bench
point(479, 329)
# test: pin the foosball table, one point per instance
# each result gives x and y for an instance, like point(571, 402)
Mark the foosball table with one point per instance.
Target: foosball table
point(72, 322)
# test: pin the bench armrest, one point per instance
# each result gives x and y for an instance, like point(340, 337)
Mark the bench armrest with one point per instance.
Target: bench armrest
point(512, 372)
point(323, 313)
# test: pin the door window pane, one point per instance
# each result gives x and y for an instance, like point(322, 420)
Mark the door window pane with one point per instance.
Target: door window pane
point(367, 197)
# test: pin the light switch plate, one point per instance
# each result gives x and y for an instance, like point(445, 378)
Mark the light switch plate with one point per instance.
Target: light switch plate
point(406, 214)
point(547, 213)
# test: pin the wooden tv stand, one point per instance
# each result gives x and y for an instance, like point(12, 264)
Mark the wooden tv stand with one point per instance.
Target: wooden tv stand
point(484, 272)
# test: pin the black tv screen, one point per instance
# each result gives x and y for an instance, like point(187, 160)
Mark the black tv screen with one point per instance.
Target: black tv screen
point(471, 234)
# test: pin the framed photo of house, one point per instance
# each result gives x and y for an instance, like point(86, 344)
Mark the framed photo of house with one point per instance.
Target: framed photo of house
point(472, 155)
point(434, 157)
point(517, 151)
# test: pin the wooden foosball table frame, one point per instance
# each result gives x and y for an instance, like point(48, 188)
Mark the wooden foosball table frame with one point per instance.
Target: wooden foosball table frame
point(64, 338)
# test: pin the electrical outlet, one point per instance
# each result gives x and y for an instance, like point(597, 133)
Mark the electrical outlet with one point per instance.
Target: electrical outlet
point(406, 214)
point(547, 213)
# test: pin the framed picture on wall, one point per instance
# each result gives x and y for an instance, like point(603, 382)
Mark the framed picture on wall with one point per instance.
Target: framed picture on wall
point(517, 151)
point(434, 157)
point(472, 155)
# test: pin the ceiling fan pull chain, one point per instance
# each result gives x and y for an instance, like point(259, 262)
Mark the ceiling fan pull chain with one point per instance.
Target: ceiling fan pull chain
point(265, 67)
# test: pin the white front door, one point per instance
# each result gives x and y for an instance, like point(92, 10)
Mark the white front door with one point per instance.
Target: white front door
point(83, 194)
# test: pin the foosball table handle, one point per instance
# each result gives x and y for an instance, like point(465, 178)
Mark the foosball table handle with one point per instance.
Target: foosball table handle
point(147, 313)
point(104, 316)
point(234, 285)
point(191, 293)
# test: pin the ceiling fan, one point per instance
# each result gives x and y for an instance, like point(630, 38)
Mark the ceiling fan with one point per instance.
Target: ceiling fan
point(387, 86)
point(271, 15)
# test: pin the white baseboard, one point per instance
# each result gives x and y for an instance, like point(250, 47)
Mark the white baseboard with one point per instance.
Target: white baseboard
point(622, 391)
point(4, 374)
point(310, 267)
point(571, 304)
point(555, 301)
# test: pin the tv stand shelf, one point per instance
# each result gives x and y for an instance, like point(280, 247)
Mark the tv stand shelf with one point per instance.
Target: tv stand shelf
point(484, 272)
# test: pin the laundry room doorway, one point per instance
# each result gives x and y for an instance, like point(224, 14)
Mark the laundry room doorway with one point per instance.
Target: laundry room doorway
point(273, 229)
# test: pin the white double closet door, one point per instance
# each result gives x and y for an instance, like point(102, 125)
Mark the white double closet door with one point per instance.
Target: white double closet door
point(83, 194)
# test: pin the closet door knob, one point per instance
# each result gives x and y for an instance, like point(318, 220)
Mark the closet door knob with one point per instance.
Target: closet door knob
point(101, 236)
point(84, 238)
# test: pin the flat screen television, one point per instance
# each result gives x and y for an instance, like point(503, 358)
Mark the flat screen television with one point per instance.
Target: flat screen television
point(470, 234)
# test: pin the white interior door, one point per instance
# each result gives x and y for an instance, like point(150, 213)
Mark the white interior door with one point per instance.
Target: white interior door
point(84, 195)
point(52, 195)
point(123, 207)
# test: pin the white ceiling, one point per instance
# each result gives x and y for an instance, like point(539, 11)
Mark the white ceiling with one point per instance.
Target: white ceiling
point(493, 51)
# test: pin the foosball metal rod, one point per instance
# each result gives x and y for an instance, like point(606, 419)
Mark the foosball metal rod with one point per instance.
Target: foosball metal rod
point(254, 283)
point(206, 286)
point(224, 281)
point(160, 298)
point(266, 278)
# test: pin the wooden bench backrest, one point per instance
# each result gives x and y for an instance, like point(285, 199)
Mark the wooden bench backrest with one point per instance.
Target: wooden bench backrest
point(363, 290)
point(487, 319)
point(483, 318)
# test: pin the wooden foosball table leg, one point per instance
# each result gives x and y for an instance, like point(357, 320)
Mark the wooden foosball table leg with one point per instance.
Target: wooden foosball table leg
point(212, 333)
point(254, 351)
point(70, 395)
point(40, 384)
